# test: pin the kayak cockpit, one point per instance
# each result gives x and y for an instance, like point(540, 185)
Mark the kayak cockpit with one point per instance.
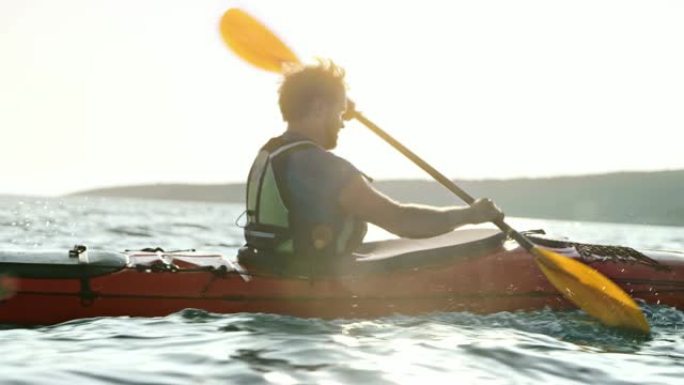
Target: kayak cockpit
point(380, 256)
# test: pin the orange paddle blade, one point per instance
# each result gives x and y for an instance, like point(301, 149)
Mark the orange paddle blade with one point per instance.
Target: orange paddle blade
point(253, 42)
point(591, 291)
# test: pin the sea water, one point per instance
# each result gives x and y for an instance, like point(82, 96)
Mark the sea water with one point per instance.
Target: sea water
point(196, 347)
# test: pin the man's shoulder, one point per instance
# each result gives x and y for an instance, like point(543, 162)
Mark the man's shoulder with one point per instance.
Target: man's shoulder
point(315, 155)
point(302, 157)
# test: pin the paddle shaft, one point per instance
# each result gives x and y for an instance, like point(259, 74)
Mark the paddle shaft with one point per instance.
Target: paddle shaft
point(439, 177)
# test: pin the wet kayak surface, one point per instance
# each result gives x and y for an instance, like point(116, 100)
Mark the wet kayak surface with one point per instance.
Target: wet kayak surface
point(196, 347)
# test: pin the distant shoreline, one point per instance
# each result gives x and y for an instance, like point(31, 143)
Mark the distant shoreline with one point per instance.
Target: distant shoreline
point(653, 198)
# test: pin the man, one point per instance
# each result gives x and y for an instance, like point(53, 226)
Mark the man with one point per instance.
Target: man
point(307, 208)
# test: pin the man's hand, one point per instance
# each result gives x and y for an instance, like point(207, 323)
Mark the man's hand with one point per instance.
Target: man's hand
point(484, 210)
point(350, 112)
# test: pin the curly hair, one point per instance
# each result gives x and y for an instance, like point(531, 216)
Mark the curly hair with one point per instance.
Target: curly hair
point(305, 83)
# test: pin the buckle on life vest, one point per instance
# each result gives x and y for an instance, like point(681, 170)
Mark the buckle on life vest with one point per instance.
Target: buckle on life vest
point(264, 237)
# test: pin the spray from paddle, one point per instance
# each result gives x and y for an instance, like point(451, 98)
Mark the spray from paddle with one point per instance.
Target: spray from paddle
point(585, 287)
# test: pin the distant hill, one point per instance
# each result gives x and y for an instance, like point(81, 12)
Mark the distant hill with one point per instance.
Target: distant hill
point(655, 198)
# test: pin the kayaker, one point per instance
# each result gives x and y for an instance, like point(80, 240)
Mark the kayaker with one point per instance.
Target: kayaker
point(307, 207)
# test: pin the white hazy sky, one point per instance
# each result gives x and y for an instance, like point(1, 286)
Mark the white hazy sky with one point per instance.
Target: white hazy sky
point(102, 93)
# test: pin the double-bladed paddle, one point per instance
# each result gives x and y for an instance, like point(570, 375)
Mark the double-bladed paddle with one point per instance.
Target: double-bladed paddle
point(585, 287)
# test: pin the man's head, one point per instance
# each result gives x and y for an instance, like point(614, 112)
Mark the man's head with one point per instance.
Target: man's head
point(314, 97)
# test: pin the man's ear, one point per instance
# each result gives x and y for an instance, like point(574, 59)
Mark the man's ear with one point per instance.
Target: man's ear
point(317, 108)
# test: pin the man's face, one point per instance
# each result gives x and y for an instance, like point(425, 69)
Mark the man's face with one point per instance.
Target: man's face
point(332, 122)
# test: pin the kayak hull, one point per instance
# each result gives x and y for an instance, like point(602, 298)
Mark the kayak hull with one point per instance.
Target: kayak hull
point(502, 280)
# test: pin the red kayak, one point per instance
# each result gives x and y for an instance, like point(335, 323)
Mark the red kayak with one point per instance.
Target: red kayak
point(468, 270)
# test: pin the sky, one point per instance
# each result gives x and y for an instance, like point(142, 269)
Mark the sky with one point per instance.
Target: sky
point(109, 93)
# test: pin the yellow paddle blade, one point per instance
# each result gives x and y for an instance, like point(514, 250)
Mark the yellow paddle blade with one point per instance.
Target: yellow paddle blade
point(253, 42)
point(591, 291)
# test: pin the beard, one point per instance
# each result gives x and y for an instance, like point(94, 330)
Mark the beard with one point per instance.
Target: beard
point(331, 133)
point(330, 140)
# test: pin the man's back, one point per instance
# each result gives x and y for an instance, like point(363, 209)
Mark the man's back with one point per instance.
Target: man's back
point(308, 181)
point(312, 180)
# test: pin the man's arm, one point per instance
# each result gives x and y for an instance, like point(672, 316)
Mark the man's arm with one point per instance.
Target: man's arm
point(360, 199)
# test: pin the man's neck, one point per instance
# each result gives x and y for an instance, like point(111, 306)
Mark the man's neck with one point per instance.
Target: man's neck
point(306, 130)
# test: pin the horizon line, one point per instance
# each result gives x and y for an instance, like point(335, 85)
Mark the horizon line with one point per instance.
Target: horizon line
point(414, 179)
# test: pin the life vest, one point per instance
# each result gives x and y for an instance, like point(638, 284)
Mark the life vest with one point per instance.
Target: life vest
point(273, 230)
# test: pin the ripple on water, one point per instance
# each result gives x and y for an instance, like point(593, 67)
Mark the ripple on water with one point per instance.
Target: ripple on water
point(193, 346)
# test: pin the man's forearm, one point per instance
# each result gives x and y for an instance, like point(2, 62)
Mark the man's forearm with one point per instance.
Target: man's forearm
point(417, 221)
point(411, 220)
